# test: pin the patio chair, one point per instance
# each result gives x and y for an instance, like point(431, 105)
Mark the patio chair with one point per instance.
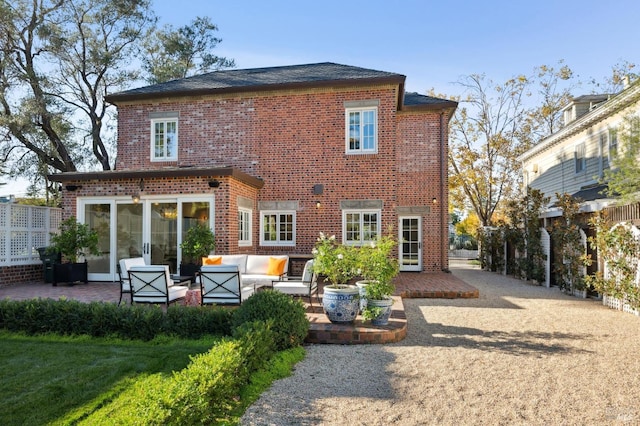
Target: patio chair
point(305, 285)
point(222, 285)
point(153, 284)
point(123, 273)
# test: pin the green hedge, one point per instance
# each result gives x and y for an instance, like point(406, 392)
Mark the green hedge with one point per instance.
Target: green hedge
point(203, 393)
point(137, 322)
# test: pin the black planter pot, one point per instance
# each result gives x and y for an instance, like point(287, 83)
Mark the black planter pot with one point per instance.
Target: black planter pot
point(70, 273)
point(189, 270)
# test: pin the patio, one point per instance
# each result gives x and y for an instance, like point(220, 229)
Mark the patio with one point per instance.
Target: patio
point(408, 285)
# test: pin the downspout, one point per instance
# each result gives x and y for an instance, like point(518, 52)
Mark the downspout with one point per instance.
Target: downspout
point(443, 211)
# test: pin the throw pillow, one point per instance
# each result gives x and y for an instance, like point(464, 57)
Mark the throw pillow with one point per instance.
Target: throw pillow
point(212, 260)
point(276, 266)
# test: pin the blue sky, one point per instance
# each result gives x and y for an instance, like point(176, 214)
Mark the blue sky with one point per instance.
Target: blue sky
point(433, 43)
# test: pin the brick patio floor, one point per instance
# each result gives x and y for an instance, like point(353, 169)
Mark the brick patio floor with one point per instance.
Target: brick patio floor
point(408, 285)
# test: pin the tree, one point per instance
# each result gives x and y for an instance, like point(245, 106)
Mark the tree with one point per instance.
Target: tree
point(59, 59)
point(494, 127)
point(623, 178)
point(484, 144)
point(621, 75)
point(177, 53)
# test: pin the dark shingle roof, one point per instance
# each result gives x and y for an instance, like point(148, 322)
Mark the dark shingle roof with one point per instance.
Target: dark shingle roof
point(260, 79)
point(412, 99)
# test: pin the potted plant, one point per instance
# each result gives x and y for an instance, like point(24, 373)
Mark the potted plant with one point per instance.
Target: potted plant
point(378, 267)
point(199, 242)
point(73, 241)
point(337, 263)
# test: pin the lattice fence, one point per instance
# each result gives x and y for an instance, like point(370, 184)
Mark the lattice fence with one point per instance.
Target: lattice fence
point(23, 229)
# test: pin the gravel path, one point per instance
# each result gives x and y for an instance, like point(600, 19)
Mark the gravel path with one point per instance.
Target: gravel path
point(519, 354)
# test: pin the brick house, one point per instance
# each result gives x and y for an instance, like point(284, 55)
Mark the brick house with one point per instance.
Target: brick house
point(269, 158)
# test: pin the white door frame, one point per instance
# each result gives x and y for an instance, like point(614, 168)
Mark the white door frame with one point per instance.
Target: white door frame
point(415, 263)
point(146, 201)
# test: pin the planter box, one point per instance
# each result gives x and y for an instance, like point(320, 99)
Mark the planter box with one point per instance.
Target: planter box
point(70, 273)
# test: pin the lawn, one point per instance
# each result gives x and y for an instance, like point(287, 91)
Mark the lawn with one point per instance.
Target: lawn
point(56, 380)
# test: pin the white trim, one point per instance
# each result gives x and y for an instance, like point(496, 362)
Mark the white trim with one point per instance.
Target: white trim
point(409, 267)
point(278, 242)
point(249, 242)
point(361, 150)
point(152, 150)
point(361, 241)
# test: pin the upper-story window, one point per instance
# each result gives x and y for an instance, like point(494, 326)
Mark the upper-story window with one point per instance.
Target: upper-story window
point(613, 145)
point(362, 130)
point(580, 158)
point(164, 139)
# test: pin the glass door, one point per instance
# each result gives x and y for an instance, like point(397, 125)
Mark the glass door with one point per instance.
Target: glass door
point(152, 228)
point(163, 234)
point(410, 245)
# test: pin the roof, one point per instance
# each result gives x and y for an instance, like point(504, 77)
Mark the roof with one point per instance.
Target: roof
point(252, 79)
point(591, 193)
point(279, 78)
point(158, 173)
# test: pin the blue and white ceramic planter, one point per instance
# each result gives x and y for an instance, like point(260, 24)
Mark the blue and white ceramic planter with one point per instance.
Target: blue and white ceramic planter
point(341, 304)
point(362, 288)
point(385, 305)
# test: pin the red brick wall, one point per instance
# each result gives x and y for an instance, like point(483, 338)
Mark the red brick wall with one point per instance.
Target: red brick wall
point(20, 274)
point(292, 140)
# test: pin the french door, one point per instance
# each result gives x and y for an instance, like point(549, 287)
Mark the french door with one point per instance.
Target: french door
point(410, 243)
point(152, 228)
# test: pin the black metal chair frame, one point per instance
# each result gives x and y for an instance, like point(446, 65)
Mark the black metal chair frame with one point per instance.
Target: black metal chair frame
point(230, 293)
point(156, 283)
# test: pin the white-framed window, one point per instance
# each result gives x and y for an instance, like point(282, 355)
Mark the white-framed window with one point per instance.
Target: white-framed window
point(278, 228)
point(580, 158)
point(361, 130)
point(244, 227)
point(164, 139)
point(360, 227)
point(613, 145)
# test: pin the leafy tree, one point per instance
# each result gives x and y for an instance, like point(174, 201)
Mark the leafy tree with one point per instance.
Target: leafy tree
point(177, 53)
point(623, 178)
point(59, 59)
point(484, 144)
point(622, 73)
point(568, 248)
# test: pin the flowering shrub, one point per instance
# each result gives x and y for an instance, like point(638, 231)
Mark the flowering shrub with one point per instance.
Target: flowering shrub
point(337, 262)
point(376, 263)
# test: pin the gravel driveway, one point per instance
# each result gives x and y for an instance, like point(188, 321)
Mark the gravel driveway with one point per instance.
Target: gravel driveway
point(519, 354)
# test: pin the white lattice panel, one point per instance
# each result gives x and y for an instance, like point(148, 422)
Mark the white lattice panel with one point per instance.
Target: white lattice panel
point(55, 217)
point(4, 212)
point(39, 218)
point(3, 246)
point(19, 216)
point(38, 239)
point(612, 302)
point(19, 246)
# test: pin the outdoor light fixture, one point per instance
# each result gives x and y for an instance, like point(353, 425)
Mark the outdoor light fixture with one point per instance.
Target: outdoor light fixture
point(136, 197)
point(318, 204)
point(434, 200)
point(215, 183)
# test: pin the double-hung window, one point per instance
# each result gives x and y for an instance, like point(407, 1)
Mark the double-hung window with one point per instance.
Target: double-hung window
point(277, 228)
point(613, 145)
point(244, 227)
point(360, 227)
point(164, 139)
point(362, 130)
point(580, 158)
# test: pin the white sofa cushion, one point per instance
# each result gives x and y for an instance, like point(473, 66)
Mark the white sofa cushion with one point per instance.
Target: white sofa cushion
point(240, 260)
point(257, 264)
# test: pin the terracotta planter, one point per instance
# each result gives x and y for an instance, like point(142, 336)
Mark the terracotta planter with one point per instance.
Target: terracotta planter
point(341, 304)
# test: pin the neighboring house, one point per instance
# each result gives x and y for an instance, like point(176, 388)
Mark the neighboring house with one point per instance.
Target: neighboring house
point(574, 159)
point(269, 158)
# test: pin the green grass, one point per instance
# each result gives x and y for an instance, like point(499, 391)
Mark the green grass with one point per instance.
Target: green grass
point(56, 380)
